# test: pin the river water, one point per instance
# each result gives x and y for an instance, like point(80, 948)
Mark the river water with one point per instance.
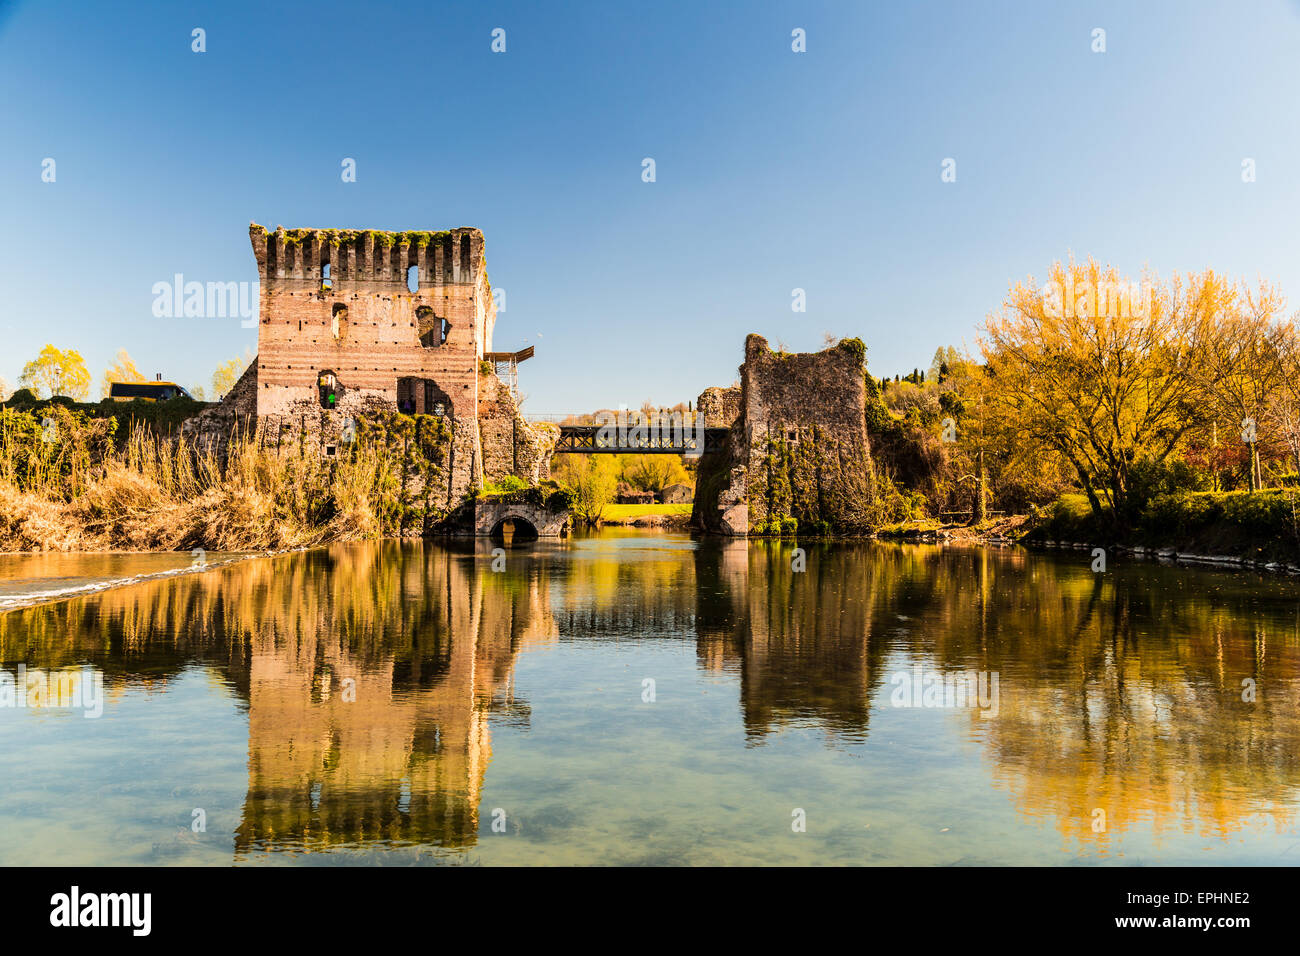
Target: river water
point(628, 698)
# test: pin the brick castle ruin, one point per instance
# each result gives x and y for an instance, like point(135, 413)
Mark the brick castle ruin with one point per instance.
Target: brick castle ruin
point(351, 321)
point(357, 321)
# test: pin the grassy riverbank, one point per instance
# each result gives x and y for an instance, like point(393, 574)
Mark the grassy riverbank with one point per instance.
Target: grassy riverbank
point(1260, 525)
point(646, 514)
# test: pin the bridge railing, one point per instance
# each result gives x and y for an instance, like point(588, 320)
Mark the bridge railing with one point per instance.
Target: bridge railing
point(598, 439)
point(589, 418)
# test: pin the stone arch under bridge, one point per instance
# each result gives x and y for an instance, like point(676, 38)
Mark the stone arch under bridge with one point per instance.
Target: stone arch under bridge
point(490, 515)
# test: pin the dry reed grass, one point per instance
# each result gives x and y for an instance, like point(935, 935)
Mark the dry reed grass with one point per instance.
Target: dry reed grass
point(84, 492)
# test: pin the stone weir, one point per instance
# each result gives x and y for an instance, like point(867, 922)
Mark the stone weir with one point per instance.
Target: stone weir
point(798, 453)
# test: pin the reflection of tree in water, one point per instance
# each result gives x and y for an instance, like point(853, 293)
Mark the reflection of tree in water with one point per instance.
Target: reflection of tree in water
point(1123, 691)
point(1120, 691)
point(421, 638)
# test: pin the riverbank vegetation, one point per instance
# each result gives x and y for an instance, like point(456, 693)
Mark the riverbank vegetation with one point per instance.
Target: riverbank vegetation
point(71, 481)
point(597, 479)
point(62, 373)
point(1170, 415)
point(1158, 412)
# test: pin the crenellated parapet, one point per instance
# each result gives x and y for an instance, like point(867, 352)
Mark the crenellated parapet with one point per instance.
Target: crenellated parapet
point(355, 319)
point(295, 259)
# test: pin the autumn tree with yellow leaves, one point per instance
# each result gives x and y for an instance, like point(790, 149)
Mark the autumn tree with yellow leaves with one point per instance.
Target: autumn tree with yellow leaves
point(227, 375)
point(122, 370)
point(1241, 367)
point(1102, 372)
point(57, 372)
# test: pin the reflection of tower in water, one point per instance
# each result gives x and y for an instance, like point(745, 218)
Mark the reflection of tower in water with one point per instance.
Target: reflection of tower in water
point(372, 726)
point(801, 641)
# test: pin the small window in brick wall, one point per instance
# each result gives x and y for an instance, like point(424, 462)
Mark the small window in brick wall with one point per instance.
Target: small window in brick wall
point(413, 279)
point(326, 283)
point(339, 320)
point(432, 330)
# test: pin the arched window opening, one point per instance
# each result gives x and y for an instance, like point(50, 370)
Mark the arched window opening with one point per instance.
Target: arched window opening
point(326, 282)
point(412, 279)
point(339, 321)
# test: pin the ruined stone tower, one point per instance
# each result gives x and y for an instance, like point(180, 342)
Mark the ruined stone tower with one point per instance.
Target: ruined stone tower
point(798, 446)
point(354, 320)
point(341, 302)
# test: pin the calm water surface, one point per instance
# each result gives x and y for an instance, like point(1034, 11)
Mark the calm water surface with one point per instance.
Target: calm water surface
point(388, 702)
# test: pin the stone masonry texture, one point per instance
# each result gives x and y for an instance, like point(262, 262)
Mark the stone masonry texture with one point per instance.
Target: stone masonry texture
point(798, 447)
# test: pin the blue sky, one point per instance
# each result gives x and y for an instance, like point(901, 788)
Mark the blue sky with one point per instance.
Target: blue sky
point(775, 170)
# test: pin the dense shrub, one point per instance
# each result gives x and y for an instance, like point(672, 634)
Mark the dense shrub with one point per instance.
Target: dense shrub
point(1069, 518)
point(550, 495)
point(1151, 479)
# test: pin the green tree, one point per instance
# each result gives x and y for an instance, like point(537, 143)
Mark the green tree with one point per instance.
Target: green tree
point(945, 357)
point(651, 472)
point(594, 480)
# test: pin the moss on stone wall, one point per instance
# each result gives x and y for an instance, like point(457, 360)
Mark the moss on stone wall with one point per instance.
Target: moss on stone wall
point(549, 494)
point(418, 238)
point(812, 482)
point(855, 347)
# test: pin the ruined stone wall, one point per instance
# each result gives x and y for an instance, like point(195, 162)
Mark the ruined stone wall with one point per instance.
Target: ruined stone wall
point(805, 430)
point(719, 406)
point(799, 447)
point(511, 445)
point(238, 407)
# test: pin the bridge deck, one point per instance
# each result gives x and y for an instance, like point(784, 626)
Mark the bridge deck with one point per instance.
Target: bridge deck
point(599, 440)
